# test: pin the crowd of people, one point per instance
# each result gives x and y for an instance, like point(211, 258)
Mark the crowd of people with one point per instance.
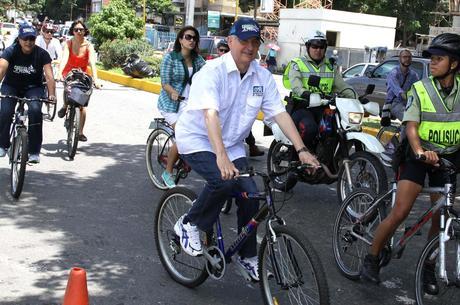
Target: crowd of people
point(27, 63)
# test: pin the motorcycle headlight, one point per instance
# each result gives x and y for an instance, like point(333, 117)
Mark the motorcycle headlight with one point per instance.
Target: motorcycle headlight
point(355, 117)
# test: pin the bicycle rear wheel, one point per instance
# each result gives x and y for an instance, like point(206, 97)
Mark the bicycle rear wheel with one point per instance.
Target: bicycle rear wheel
point(156, 156)
point(446, 294)
point(352, 236)
point(73, 130)
point(18, 159)
point(290, 271)
point(185, 269)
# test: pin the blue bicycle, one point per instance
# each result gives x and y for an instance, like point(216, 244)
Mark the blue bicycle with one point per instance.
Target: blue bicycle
point(290, 271)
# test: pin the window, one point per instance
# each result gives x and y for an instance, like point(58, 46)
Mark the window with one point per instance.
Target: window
point(385, 68)
point(418, 68)
point(332, 38)
point(369, 68)
point(354, 71)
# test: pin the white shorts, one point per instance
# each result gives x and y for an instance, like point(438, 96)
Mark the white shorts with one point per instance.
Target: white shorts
point(171, 117)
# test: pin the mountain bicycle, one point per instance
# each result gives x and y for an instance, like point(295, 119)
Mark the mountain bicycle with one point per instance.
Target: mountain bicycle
point(49, 112)
point(362, 211)
point(19, 139)
point(290, 271)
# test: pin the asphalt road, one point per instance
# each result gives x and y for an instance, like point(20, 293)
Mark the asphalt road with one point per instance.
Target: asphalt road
point(97, 212)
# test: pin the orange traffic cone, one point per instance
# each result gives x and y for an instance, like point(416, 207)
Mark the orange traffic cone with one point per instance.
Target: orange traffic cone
point(76, 292)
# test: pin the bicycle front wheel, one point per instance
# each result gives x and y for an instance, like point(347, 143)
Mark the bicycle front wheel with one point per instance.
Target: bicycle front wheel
point(187, 270)
point(73, 130)
point(429, 288)
point(156, 155)
point(353, 235)
point(290, 271)
point(19, 156)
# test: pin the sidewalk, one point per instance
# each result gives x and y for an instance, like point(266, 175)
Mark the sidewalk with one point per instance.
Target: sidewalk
point(156, 87)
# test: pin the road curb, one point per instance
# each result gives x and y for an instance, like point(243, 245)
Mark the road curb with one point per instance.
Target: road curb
point(128, 81)
point(148, 86)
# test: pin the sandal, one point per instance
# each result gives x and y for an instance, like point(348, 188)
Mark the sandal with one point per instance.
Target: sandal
point(82, 138)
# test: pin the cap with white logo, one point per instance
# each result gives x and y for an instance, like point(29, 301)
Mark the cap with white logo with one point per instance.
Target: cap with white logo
point(245, 28)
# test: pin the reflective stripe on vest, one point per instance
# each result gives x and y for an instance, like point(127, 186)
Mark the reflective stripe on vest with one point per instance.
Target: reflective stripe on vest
point(307, 69)
point(439, 127)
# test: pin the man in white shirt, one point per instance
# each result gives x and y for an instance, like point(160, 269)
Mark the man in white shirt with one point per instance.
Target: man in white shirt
point(49, 43)
point(225, 98)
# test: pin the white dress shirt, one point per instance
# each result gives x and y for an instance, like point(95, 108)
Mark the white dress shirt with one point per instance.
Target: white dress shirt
point(54, 48)
point(218, 85)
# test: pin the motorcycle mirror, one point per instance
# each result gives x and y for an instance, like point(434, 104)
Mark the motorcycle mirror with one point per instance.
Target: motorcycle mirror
point(369, 89)
point(314, 80)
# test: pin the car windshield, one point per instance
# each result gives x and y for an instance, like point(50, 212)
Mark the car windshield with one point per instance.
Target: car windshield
point(206, 45)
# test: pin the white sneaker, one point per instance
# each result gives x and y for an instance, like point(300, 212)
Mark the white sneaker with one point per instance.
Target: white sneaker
point(3, 152)
point(189, 237)
point(249, 265)
point(34, 158)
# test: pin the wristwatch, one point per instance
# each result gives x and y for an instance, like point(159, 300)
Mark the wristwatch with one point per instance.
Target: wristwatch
point(302, 149)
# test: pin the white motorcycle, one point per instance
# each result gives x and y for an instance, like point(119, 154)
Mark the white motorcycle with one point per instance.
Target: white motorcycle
point(347, 155)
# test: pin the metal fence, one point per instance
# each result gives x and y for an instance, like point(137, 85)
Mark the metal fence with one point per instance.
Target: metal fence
point(159, 39)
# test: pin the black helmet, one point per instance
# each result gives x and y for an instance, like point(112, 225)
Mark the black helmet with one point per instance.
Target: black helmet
point(222, 43)
point(444, 44)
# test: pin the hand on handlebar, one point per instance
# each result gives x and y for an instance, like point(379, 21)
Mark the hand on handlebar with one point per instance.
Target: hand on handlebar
point(307, 158)
point(429, 157)
point(226, 167)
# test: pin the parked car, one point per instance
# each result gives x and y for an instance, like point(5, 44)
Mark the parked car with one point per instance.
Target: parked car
point(6, 27)
point(378, 76)
point(359, 69)
point(208, 46)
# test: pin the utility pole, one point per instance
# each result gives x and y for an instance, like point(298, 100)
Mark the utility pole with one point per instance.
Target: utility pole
point(236, 9)
point(255, 10)
point(189, 12)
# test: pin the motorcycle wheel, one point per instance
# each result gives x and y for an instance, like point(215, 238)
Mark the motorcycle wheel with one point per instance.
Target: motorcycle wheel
point(279, 156)
point(366, 172)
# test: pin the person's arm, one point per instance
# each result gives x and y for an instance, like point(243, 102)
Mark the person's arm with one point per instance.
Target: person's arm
point(166, 73)
point(295, 78)
point(50, 83)
point(3, 68)
point(416, 145)
point(64, 59)
point(58, 49)
point(287, 126)
point(92, 63)
point(393, 85)
point(226, 167)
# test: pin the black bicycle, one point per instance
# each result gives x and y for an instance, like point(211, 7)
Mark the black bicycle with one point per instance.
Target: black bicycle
point(290, 271)
point(362, 211)
point(77, 91)
point(19, 139)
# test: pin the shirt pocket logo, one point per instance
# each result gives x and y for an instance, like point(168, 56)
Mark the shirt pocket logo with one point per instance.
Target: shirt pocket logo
point(257, 90)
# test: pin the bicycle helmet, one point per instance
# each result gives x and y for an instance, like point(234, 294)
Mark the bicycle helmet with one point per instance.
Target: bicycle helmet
point(444, 44)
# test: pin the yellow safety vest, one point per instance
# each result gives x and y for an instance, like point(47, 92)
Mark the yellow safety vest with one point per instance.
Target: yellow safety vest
point(326, 72)
point(439, 127)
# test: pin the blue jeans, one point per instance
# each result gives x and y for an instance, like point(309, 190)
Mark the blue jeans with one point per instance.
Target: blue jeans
point(207, 206)
point(34, 112)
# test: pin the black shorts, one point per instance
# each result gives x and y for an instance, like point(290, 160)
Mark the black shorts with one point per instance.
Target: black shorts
point(416, 171)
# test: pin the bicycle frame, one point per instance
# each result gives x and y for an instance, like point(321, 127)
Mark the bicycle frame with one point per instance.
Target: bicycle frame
point(444, 204)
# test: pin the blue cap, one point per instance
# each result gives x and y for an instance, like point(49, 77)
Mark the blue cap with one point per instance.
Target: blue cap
point(245, 28)
point(27, 31)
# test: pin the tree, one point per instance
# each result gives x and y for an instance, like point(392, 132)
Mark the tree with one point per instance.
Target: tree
point(116, 21)
point(66, 9)
point(35, 6)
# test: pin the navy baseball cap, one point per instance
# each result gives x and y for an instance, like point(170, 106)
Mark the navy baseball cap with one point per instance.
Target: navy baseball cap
point(245, 28)
point(27, 31)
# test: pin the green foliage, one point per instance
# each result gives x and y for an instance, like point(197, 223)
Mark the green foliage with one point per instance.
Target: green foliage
point(35, 6)
point(115, 21)
point(156, 6)
point(113, 53)
point(65, 10)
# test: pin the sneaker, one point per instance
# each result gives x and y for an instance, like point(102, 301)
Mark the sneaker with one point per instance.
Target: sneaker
point(189, 237)
point(430, 284)
point(168, 179)
point(34, 158)
point(3, 152)
point(371, 269)
point(250, 266)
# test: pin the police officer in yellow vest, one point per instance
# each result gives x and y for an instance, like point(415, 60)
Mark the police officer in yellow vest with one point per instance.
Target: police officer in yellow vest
point(432, 118)
point(295, 77)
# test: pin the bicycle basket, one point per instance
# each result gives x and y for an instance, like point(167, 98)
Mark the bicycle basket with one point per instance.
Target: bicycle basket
point(79, 87)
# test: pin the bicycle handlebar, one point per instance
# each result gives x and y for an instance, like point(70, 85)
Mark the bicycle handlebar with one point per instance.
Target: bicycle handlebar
point(25, 99)
point(444, 164)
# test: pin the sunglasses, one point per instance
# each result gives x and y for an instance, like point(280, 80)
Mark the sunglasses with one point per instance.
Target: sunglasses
point(29, 38)
point(318, 47)
point(49, 32)
point(79, 30)
point(189, 37)
point(223, 50)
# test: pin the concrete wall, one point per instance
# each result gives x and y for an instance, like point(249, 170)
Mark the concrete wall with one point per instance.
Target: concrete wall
point(353, 30)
